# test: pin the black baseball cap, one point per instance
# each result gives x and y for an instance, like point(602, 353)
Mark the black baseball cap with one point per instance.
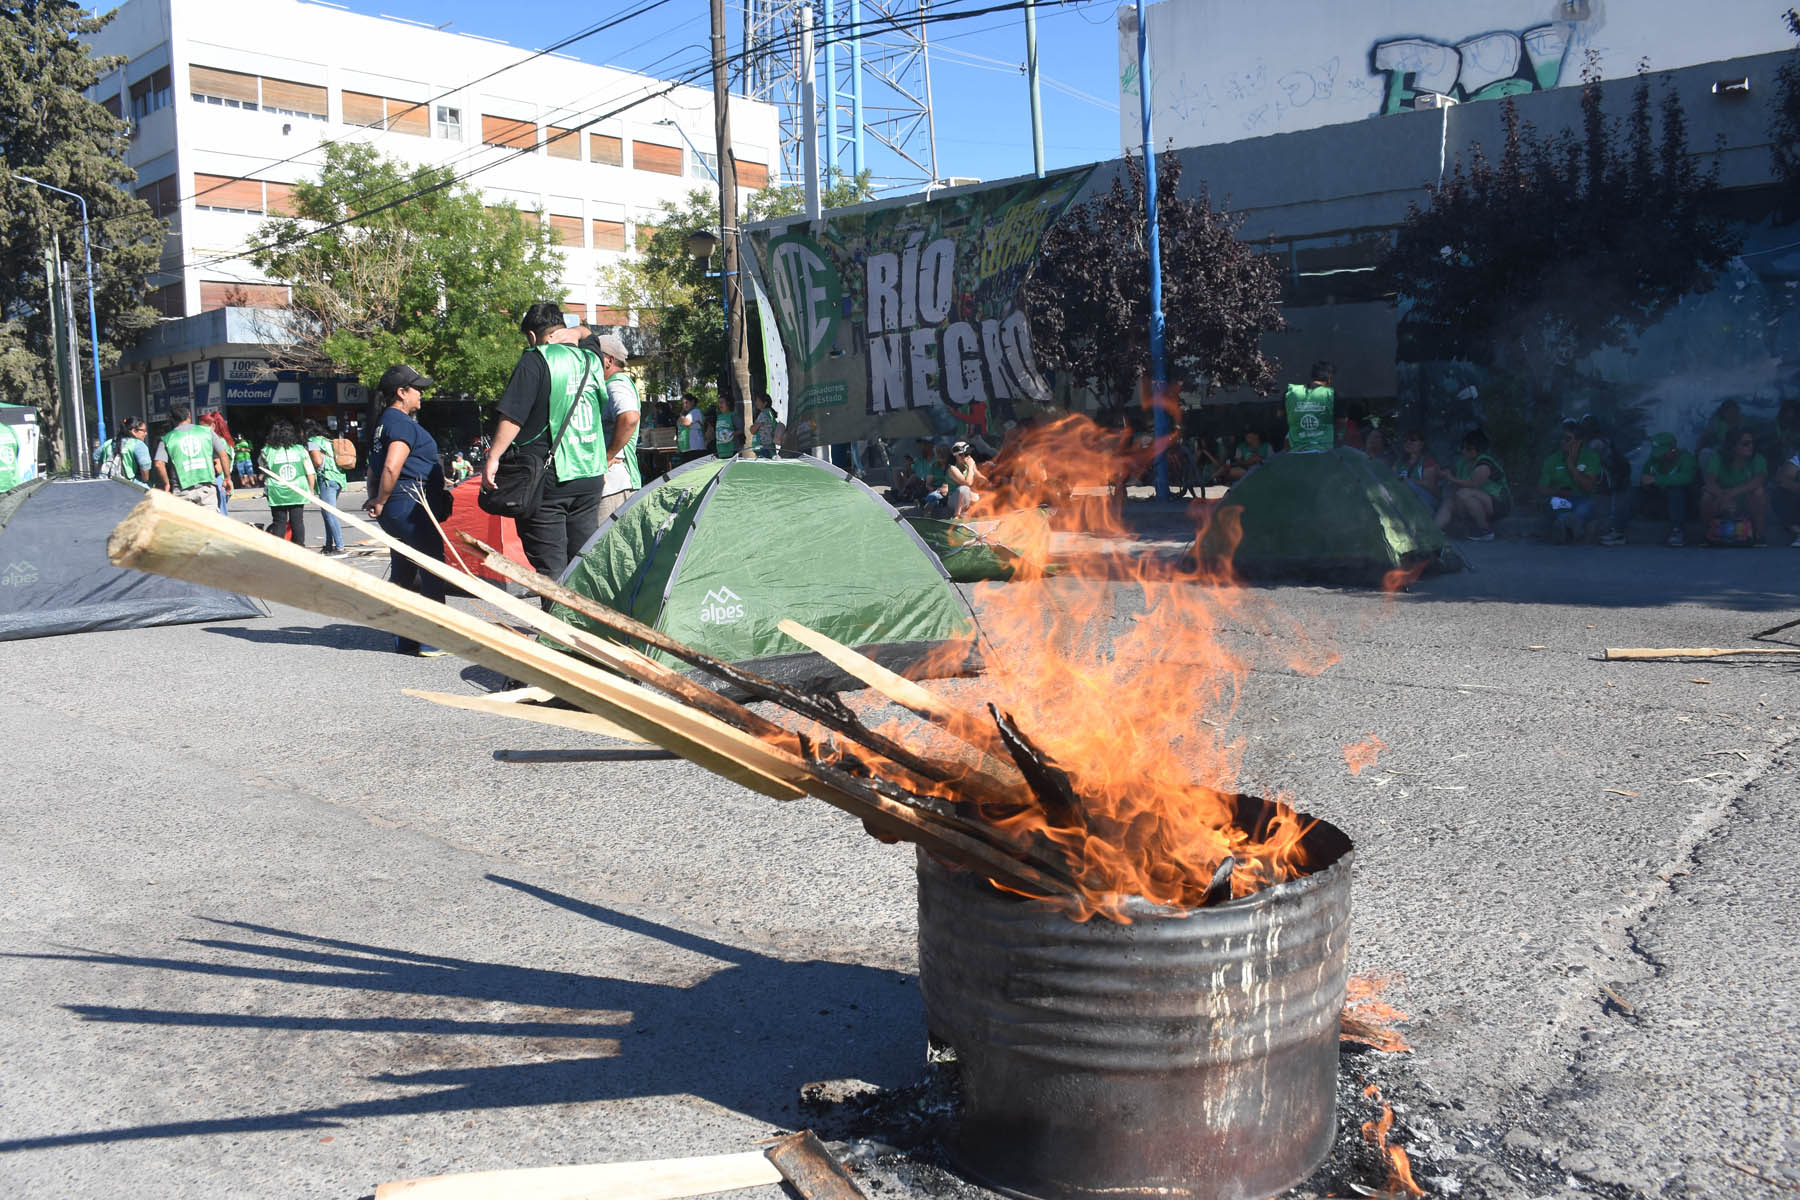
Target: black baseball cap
point(400, 375)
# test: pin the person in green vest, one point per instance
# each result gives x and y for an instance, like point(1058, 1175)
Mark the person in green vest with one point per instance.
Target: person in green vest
point(762, 426)
point(1474, 489)
point(1309, 409)
point(552, 405)
point(1734, 482)
point(690, 429)
point(330, 483)
point(1667, 484)
point(126, 457)
point(621, 415)
point(195, 455)
point(725, 432)
point(1569, 483)
point(244, 462)
point(287, 478)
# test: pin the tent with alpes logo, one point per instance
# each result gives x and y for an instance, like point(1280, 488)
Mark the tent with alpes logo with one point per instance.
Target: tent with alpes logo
point(717, 552)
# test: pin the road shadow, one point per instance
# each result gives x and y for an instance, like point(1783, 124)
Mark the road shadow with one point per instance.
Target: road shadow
point(335, 636)
point(746, 1037)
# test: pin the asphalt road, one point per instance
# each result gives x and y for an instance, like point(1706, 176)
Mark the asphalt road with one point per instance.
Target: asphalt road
point(273, 929)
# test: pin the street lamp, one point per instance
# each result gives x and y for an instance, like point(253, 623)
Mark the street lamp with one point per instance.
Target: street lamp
point(701, 243)
point(87, 255)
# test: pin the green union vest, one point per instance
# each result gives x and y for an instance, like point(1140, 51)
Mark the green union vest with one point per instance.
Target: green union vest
point(582, 454)
point(1309, 418)
point(284, 465)
point(190, 450)
point(328, 468)
point(629, 453)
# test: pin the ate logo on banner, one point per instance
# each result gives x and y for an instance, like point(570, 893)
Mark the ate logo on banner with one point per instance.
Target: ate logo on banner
point(722, 606)
point(808, 295)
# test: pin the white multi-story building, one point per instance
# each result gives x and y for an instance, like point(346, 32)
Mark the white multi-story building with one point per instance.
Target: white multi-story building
point(231, 103)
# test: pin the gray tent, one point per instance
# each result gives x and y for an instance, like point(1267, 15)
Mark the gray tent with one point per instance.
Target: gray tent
point(55, 576)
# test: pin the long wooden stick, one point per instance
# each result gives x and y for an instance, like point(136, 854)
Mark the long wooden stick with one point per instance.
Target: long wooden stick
point(901, 690)
point(166, 536)
point(815, 708)
point(660, 1179)
point(537, 714)
point(1699, 652)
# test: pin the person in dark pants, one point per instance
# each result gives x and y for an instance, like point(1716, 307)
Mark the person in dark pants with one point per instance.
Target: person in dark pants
point(404, 472)
point(289, 477)
point(555, 388)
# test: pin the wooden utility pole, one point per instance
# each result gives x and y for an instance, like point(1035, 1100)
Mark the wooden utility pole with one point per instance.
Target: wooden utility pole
point(737, 344)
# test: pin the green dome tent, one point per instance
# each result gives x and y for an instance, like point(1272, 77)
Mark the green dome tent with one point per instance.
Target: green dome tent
point(717, 552)
point(1336, 516)
point(977, 550)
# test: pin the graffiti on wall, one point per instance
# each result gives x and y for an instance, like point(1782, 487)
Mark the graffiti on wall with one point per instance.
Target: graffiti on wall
point(1484, 67)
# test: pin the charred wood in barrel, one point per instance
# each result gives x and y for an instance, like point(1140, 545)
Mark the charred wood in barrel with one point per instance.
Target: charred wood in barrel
point(1048, 782)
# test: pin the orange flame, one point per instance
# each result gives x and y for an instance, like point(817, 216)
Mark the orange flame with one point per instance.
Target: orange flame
point(1362, 754)
point(1368, 1019)
point(1132, 706)
point(1400, 1179)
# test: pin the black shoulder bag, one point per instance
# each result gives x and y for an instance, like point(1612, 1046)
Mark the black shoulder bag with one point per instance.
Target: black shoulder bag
point(519, 479)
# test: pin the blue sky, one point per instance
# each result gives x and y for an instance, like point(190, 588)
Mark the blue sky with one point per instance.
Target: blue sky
point(979, 94)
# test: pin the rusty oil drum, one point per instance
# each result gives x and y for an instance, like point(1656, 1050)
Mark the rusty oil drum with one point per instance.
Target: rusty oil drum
point(1178, 1056)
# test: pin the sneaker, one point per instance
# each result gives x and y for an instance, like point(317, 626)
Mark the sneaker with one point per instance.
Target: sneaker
point(1612, 538)
point(1486, 535)
point(1795, 544)
point(1675, 538)
point(430, 652)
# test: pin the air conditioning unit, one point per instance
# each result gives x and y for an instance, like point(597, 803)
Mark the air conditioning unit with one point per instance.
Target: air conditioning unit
point(1433, 100)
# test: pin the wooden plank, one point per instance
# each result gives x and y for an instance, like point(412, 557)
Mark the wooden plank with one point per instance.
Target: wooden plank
point(561, 718)
point(166, 536)
point(808, 1166)
point(658, 1179)
point(1700, 652)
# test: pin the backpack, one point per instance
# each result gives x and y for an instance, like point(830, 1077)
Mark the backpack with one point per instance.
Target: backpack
point(343, 452)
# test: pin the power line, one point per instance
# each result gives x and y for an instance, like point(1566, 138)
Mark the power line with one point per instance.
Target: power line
point(846, 32)
point(590, 31)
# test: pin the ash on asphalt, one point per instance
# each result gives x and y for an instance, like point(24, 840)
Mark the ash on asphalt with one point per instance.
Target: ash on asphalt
point(892, 1139)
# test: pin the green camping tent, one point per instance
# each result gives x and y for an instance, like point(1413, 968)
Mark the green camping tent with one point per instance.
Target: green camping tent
point(1334, 516)
point(973, 550)
point(717, 552)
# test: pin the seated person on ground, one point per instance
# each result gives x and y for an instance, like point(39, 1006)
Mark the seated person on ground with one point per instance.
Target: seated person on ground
point(1251, 453)
point(1666, 487)
point(1417, 468)
point(1615, 480)
point(1569, 485)
point(907, 487)
point(937, 481)
point(1727, 417)
point(1473, 491)
point(1375, 442)
point(1734, 482)
point(963, 478)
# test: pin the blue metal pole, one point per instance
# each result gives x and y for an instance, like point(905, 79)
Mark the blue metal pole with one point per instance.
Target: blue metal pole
point(87, 258)
point(831, 93)
point(1158, 369)
point(856, 88)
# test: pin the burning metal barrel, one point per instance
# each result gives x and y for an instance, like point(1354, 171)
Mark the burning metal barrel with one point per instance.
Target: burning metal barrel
point(1185, 1054)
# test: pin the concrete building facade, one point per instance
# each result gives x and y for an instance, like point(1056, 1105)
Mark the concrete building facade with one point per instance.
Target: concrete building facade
point(231, 104)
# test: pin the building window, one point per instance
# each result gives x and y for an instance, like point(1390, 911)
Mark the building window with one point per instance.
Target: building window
point(222, 293)
point(609, 235)
point(606, 150)
point(384, 112)
point(752, 175)
point(704, 165)
point(156, 90)
point(163, 196)
point(449, 122)
point(566, 229)
point(649, 156)
point(253, 93)
point(504, 131)
point(114, 105)
point(225, 193)
point(562, 143)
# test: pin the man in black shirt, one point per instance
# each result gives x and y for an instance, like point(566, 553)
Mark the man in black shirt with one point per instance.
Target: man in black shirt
point(568, 512)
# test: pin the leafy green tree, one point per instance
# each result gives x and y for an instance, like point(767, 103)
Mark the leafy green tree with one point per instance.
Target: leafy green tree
point(1089, 292)
point(790, 198)
point(1784, 123)
point(52, 133)
point(674, 293)
point(1566, 244)
point(394, 264)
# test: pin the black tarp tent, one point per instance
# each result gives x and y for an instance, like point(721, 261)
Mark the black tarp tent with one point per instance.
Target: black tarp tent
point(55, 576)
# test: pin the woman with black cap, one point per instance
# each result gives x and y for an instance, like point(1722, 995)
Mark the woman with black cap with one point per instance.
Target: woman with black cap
point(404, 475)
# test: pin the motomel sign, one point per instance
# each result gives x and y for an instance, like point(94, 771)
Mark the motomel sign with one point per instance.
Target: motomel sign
point(247, 381)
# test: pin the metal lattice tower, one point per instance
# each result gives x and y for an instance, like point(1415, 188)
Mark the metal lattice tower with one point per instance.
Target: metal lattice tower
point(874, 62)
